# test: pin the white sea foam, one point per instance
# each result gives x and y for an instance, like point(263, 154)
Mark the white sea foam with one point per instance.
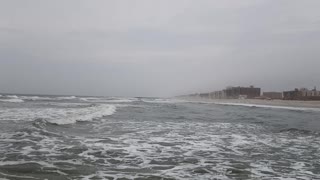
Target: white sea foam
point(16, 176)
point(138, 147)
point(120, 100)
point(212, 146)
point(66, 97)
point(58, 115)
point(12, 96)
point(34, 98)
point(163, 101)
point(12, 100)
point(157, 101)
point(270, 106)
point(2, 163)
point(108, 100)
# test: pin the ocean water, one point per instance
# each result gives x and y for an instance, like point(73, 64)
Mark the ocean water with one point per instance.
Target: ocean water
point(52, 137)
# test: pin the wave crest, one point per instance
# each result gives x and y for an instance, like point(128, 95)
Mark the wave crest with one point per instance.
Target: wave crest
point(66, 97)
point(11, 99)
point(67, 115)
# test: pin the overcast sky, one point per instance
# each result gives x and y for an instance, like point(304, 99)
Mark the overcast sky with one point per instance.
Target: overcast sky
point(157, 47)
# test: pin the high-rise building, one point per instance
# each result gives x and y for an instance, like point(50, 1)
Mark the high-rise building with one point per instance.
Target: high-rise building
point(244, 92)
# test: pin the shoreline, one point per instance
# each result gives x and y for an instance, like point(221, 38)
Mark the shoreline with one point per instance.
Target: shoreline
point(283, 103)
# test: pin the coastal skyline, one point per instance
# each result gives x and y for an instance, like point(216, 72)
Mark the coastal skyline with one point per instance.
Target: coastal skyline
point(158, 48)
point(252, 92)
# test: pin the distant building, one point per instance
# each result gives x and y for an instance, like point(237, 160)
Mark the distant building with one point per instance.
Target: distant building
point(218, 94)
point(292, 95)
point(242, 92)
point(204, 95)
point(302, 94)
point(272, 95)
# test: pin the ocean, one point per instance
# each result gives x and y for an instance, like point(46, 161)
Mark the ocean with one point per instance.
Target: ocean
point(69, 137)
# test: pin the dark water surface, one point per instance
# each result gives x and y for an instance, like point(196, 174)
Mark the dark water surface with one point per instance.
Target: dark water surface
point(144, 138)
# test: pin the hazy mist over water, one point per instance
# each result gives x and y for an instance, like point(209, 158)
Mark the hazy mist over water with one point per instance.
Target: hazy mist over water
point(157, 48)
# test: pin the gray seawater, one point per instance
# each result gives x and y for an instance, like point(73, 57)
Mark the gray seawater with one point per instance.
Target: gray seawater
point(49, 137)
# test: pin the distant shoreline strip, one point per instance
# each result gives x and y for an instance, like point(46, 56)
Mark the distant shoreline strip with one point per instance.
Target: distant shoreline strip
point(270, 106)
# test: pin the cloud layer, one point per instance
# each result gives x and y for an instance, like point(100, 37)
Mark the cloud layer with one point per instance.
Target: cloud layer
point(157, 48)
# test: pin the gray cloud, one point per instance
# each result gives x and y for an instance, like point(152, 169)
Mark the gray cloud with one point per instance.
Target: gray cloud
point(157, 48)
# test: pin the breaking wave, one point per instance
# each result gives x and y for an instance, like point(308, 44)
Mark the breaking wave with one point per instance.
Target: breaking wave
point(108, 100)
point(162, 101)
point(67, 115)
point(155, 141)
point(66, 97)
point(35, 98)
point(18, 99)
point(11, 99)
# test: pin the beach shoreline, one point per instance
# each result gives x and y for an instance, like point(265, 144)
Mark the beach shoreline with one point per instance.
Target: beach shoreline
point(283, 103)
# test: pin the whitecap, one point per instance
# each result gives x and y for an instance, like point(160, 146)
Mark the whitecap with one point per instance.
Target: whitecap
point(35, 98)
point(66, 97)
point(12, 100)
point(120, 100)
point(163, 101)
point(84, 114)
point(59, 115)
point(108, 100)
point(12, 96)
point(83, 99)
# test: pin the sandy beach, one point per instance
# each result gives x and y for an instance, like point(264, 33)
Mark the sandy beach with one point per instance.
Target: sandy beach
point(286, 103)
